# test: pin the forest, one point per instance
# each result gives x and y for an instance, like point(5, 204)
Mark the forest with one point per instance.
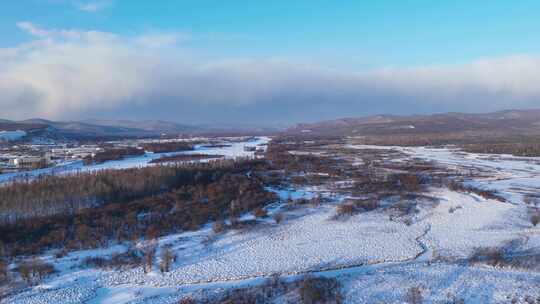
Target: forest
point(93, 209)
point(164, 147)
point(112, 154)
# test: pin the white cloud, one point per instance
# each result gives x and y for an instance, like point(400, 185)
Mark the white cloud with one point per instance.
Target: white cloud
point(32, 29)
point(69, 73)
point(159, 40)
point(64, 34)
point(93, 6)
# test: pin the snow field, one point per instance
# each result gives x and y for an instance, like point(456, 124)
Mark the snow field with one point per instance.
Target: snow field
point(439, 284)
point(462, 222)
point(376, 259)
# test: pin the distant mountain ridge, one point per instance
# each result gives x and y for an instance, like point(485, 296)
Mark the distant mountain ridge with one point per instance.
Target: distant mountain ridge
point(158, 126)
point(502, 123)
point(102, 128)
point(520, 122)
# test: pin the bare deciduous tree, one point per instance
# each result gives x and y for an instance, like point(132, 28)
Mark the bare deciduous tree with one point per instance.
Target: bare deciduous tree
point(167, 258)
point(149, 253)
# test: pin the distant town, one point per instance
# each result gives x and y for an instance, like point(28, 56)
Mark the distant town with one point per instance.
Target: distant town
point(18, 154)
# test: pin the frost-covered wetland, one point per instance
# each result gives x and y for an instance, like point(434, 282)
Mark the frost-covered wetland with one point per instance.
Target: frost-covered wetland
point(368, 224)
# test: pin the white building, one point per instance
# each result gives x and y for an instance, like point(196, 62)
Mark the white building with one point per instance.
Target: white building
point(28, 162)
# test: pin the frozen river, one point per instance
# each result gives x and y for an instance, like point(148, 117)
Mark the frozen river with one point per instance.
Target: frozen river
point(232, 150)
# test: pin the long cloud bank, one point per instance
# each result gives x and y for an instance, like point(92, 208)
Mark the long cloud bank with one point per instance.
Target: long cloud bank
point(71, 73)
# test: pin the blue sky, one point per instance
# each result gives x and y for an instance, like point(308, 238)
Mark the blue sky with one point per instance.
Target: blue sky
point(346, 37)
point(372, 33)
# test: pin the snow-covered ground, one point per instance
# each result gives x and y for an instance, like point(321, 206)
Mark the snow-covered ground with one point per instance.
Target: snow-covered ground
point(12, 135)
point(512, 176)
point(234, 150)
point(375, 258)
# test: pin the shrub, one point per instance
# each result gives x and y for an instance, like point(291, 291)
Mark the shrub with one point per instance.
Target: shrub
point(316, 201)
point(301, 201)
point(528, 262)
point(151, 233)
point(240, 296)
point(96, 262)
point(452, 299)
point(453, 209)
point(60, 253)
point(320, 290)
point(345, 209)
point(149, 253)
point(218, 226)
point(35, 270)
point(532, 199)
point(486, 194)
point(167, 258)
point(186, 300)
point(3, 271)
point(131, 258)
point(414, 295)
point(405, 208)
point(260, 212)
point(535, 219)
point(270, 291)
point(235, 220)
point(490, 256)
point(278, 217)
point(274, 281)
point(409, 182)
point(367, 205)
point(42, 269)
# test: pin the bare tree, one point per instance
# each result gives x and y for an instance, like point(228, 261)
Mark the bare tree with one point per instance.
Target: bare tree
point(219, 226)
point(24, 271)
point(3, 271)
point(260, 212)
point(278, 217)
point(167, 258)
point(149, 254)
point(414, 295)
point(34, 270)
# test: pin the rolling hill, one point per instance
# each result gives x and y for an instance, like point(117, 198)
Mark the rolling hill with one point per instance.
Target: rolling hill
point(507, 123)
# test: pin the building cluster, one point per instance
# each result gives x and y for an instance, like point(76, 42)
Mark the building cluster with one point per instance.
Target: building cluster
point(75, 152)
point(28, 157)
point(37, 154)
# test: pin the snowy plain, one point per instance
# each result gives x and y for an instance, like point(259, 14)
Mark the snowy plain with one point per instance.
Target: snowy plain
point(376, 259)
